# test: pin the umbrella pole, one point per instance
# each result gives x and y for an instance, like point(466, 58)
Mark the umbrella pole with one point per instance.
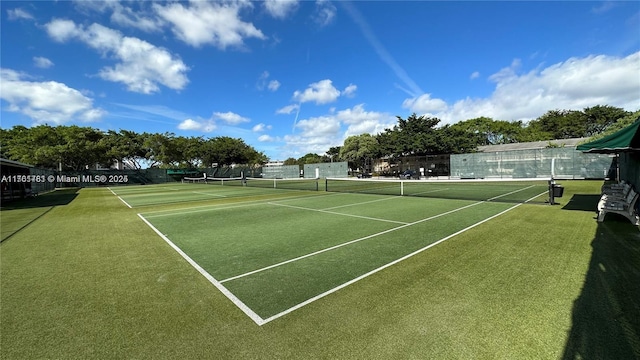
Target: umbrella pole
point(618, 167)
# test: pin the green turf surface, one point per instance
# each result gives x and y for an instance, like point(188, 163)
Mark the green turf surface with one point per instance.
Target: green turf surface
point(372, 231)
point(17, 215)
point(89, 279)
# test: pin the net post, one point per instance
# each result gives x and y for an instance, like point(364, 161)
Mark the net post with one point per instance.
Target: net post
point(402, 188)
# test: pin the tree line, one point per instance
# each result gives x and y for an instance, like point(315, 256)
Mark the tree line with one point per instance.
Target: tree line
point(75, 148)
point(421, 135)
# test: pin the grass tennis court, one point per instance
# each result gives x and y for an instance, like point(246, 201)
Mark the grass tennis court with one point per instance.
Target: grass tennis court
point(315, 274)
point(271, 257)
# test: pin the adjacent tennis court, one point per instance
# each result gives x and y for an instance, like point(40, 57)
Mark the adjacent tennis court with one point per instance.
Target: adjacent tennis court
point(274, 251)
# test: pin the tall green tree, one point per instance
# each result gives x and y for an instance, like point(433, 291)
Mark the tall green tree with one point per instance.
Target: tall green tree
point(161, 150)
point(225, 150)
point(334, 153)
point(412, 136)
point(358, 148)
point(487, 131)
point(290, 161)
point(126, 146)
point(81, 147)
point(601, 117)
point(310, 158)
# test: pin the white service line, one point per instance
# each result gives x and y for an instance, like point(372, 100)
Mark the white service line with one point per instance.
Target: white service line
point(129, 206)
point(237, 302)
point(319, 296)
point(260, 321)
point(215, 207)
point(361, 203)
point(337, 213)
point(349, 243)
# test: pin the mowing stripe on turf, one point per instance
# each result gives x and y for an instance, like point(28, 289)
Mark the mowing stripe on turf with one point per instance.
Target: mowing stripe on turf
point(364, 238)
point(214, 207)
point(360, 203)
point(515, 191)
point(215, 195)
point(129, 206)
point(319, 296)
point(337, 213)
point(350, 242)
point(237, 302)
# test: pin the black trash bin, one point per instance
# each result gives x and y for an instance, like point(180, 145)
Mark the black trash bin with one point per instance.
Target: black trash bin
point(558, 190)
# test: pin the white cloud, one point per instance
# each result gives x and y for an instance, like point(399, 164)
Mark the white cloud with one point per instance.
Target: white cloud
point(62, 30)
point(280, 8)
point(474, 75)
point(230, 118)
point(573, 84)
point(125, 16)
point(350, 90)
point(46, 102)
point(321, 92)
point(360, 121)
point(274, 85)
point(319, 126)
point(261, 127)
point(201, 23)
point(266, 138)
point(288, 109)
point(18, 13)
point(325, 13)
point(202, 125)
point(425, 104)
point(142, 67)
point(42, 62)
point(318, 134)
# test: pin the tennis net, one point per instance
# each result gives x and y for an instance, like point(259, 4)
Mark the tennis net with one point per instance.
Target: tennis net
point(516, 190)
point(213, 181)
point(289, 184)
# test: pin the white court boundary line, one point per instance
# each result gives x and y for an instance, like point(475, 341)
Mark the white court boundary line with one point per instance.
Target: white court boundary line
point(365, 237)
point(349, 242)
point(237, 302)
point(118, 196)
point(352, 281)
point(260, 321)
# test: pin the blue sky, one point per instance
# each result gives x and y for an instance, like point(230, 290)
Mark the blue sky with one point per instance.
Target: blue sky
point(293, 77)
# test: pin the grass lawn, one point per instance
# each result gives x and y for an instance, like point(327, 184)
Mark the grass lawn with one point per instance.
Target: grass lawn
point(86, 278)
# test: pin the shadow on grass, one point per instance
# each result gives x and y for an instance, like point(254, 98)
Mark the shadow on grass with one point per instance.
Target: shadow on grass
point(17, 215)
point(583, 202)
point(54, 198)
point(606, 315)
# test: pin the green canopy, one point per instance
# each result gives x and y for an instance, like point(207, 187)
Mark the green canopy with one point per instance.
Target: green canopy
point(625, 140)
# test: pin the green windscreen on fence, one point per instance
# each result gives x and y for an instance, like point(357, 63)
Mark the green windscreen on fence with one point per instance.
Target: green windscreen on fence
point(325, 170)
point(566, 163)
point(281, 172)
